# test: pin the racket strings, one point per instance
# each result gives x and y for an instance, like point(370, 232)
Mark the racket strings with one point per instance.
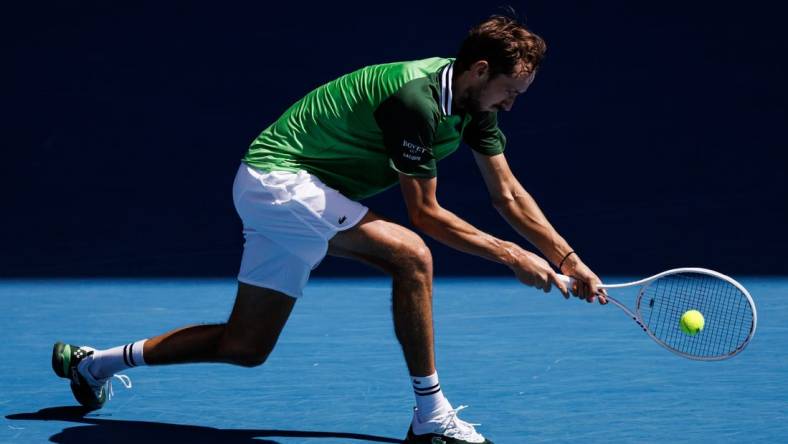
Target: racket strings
point(727, 312)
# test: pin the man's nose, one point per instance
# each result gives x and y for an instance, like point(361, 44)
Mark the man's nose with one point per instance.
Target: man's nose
point(507, 104)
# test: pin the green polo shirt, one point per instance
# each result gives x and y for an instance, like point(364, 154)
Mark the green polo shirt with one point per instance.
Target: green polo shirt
point(358, 132)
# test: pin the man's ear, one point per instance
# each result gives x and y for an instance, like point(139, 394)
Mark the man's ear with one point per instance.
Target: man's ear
point(480, 69)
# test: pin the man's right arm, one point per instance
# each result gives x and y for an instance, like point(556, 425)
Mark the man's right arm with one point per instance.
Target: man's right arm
point(409, 122)
point(444, 226)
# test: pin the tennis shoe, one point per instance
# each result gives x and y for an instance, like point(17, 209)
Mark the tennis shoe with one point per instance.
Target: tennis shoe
point(444, 429)
point(71, 362)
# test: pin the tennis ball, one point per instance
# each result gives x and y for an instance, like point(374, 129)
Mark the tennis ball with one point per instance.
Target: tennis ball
point(692, 322)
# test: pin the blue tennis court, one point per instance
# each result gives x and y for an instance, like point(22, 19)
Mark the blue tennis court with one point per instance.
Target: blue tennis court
point(532, 367)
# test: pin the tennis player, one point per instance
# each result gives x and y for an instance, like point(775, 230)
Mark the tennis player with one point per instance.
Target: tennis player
point(298, 189)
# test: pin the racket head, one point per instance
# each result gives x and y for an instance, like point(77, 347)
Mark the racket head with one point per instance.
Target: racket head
point(727, 307)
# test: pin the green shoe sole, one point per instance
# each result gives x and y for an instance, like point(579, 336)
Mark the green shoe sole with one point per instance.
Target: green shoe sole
point(61, 359)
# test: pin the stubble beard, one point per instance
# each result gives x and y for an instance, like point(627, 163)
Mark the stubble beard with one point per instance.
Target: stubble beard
point(469, 102)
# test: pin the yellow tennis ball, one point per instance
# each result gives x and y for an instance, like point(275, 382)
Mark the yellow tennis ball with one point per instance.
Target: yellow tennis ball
point(692, 322)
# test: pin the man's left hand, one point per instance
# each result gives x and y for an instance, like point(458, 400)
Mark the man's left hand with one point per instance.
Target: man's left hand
point(586, 285)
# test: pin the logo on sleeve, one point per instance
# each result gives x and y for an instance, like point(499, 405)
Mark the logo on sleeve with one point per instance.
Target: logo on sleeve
point(412, 151)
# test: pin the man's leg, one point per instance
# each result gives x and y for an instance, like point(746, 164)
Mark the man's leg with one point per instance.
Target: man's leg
point(402, 254)
point(246, 339)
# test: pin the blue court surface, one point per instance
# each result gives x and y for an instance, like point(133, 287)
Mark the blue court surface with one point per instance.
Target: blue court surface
point(532, 367)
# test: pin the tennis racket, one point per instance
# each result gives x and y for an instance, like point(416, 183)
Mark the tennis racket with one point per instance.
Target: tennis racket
point(728, 309)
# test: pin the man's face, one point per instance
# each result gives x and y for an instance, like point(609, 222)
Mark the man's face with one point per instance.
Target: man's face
point(496, 93)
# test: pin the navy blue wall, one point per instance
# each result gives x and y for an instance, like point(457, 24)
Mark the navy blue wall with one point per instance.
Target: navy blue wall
point(654, 136)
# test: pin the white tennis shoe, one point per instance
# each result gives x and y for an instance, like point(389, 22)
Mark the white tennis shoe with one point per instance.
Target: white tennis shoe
point(444, 429)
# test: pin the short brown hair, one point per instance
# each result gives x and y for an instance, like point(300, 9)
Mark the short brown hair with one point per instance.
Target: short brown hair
point(504, 43)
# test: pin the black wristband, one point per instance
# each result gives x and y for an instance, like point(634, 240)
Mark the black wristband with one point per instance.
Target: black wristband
point(561, 264)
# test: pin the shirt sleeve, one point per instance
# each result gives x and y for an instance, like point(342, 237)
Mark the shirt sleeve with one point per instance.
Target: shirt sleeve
point(483, 135)
point(408, 133)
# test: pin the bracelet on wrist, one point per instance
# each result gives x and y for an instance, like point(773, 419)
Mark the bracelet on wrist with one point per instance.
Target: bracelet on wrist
point(561, 264)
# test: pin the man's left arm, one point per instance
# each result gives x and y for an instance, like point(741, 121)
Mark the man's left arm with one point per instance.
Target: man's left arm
point(520, 210)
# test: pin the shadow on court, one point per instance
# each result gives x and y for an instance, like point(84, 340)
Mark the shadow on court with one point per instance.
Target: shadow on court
point(119, 431)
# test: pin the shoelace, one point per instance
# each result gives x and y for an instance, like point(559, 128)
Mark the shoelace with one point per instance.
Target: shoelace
point(125, 380)
point(97, 384)
point(451, 423)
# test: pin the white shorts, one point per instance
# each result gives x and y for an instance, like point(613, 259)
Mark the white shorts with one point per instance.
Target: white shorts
point(288, 219)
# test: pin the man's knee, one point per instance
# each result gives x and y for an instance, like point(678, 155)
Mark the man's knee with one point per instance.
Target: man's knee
point(250, 359)
point(257, 319)
point(414, 259)
point(422, 259)
point(245, 355)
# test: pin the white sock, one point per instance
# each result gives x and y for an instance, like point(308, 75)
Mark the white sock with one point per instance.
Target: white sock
point(108, 362)
point(430, 401)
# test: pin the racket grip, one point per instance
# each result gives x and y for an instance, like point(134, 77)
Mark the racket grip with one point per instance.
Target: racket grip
point(566, 280)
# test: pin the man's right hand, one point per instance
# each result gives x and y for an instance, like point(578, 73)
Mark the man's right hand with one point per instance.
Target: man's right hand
point(534, 271)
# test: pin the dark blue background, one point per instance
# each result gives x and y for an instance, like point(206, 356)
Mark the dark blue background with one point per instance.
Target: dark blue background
point(654, 136)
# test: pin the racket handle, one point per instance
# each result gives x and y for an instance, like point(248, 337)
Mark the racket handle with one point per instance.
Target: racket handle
point(566, 280)
point(569, 281)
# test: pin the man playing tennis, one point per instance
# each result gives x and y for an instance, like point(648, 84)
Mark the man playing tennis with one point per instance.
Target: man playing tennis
point(297, 193)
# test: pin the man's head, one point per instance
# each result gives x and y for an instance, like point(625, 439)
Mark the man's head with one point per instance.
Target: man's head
point(496, 62)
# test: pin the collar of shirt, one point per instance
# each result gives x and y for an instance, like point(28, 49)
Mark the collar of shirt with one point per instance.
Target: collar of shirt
point(445, 81)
